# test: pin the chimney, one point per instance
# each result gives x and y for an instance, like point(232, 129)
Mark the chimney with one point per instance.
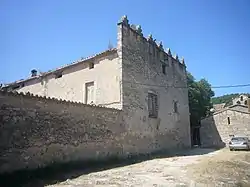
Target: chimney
point(33, 73)
point(248, 103)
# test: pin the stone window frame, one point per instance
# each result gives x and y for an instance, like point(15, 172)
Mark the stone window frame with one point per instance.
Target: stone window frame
point(85, 91)
point(153, 104)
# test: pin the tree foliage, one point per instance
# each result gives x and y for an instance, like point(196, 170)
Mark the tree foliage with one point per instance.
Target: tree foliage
point(199, 93)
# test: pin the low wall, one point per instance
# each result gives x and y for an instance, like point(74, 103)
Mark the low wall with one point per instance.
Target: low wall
point(35, 132)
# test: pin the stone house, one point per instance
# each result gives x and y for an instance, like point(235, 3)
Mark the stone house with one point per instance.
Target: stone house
point(241, 100)
point(216, 130)
point(139, 77)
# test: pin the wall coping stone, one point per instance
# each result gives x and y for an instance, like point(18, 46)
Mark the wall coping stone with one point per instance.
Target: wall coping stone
point(51, 99)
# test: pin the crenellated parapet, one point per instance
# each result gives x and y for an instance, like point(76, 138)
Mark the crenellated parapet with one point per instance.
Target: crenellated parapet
point(35, 97)
point(149, 44)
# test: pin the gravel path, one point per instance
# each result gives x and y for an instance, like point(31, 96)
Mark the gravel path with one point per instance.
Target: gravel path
point(196, 167)
point(194, 170)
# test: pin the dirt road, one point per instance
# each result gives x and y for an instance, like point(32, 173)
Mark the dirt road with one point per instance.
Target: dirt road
point(199, 167)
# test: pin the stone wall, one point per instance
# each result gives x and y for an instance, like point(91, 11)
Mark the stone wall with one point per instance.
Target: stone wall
point(216, 130)
point(142, 61)
point(36, 132)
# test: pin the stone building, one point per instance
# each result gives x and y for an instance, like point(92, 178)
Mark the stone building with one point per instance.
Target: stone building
point(146, 84)
point(241, 100)
point(138, 76)
point(216, 130)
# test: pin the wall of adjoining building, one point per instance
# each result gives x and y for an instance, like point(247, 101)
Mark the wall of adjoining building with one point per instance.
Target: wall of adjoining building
point(35, 132)
point(217, 130)
point(142, 61)
point(106, 76)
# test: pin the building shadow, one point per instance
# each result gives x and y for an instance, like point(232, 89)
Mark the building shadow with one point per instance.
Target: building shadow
point(209, 134)
point(61, 172)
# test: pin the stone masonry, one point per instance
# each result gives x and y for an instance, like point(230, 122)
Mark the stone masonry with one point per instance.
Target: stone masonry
point(37, 131)
point(143, 61)
point(217, 129)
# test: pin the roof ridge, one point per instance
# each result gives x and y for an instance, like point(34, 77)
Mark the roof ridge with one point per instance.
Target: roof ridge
point(62, 67)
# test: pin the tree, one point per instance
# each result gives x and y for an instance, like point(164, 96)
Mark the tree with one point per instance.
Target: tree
point(199, 93)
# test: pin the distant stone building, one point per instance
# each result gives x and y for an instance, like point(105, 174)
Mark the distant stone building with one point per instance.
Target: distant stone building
point(217, 129)
point(241, 100)
point(145, 82)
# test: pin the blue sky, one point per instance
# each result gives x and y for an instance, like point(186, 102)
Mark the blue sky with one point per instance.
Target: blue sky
point(213, 36)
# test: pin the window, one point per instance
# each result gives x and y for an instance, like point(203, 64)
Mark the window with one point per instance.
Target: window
point(152, 105)
point(89, 93)
point(164, 68)
point(58, 75)
point(228, 120)
point(91, 65)
point(175, 107)
point(238, 102)
point(245, 102)
point(241, 98)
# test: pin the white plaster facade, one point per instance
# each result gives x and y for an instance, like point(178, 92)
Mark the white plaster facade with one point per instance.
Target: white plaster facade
point(105, 75)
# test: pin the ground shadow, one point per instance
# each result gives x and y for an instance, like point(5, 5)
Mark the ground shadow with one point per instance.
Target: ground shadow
point(61, 172)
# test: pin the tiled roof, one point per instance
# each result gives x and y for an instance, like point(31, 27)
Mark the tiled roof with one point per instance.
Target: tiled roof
point(109, 51)
point(218, 107)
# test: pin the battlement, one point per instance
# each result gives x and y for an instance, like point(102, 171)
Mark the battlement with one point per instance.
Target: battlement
point(51, 100)
point(149, 43)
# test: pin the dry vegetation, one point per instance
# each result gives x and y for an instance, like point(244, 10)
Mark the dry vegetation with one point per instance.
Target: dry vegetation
point(223, 168)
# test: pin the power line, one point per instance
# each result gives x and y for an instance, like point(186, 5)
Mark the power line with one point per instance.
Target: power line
point(232, 86)
point(168, 86)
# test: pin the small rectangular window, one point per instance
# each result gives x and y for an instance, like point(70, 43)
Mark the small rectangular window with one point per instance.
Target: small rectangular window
point(152, 105)
point(175, 107)
point(58, 75)
point(228, 120)
point(163, 68)
point(91, 65)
